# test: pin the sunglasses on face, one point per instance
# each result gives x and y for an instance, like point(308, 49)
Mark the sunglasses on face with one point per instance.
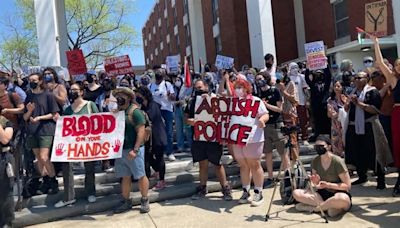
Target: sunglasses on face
point(359, 78)
point(368, 61)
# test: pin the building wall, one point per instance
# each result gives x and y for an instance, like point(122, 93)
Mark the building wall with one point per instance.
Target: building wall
point(285, 30)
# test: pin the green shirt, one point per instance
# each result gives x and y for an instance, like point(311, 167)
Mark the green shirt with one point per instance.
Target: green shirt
point(84, 110)
point(336, 168)
point(131, 123)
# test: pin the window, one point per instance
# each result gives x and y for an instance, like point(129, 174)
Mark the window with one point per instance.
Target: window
point(187, 34)
point(341, 19)
point(215, 11)
point(178, 43)
point(218, 44)
point(175, 17)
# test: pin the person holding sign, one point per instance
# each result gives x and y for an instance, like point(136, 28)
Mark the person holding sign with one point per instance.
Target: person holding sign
point(249, 155)
point(41, 107)
point(78, 106)
point(132, 161)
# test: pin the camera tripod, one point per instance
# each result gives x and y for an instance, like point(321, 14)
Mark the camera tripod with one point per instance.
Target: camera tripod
point(292, 177)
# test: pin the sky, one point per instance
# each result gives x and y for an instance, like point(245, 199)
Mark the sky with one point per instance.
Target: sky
point(137, 20)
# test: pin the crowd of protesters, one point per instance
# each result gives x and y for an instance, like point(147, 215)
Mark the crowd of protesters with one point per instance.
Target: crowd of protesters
point(354, 117)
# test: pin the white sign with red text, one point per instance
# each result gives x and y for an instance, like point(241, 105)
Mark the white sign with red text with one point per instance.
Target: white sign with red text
point(91, 137)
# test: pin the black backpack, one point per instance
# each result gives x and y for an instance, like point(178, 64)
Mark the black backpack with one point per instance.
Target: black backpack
point(295, 178)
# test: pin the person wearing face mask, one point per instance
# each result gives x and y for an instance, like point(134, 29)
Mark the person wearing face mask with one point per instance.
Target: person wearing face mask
point(332, 180)
point(301, 90)
point(368, 61)
point(249, 155)
point(54, 86)
point(125, 82)
point(270, 66)
point(145, 79)
point(154, 149)
point(93, 90)
point(132, 161)
point(319, 82)
point(366, 143)
point(41, 108)
point(164, 94)
point(205, 152)
point(178, 113)
point(78, 106)
point(272, 132)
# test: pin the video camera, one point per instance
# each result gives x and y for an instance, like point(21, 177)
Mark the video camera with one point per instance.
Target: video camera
point(289, 130)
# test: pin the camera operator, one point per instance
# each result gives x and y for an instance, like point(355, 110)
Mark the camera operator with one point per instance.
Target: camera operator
point(272, 132)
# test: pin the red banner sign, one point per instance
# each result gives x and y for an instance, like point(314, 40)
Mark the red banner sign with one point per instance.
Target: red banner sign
point(76, 62)
point(118, 65)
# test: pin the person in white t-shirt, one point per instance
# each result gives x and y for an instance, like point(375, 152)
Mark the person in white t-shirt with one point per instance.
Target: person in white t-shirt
point(301, 85)
point(164, 94)
point(270, 67)
point(249, 155)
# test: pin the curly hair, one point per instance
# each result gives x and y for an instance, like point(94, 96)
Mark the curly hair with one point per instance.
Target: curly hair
point(244, 84)
point(145, 92)
point(53, 72)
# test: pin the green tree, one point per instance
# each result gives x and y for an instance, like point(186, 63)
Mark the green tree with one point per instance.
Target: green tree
point(98, 27)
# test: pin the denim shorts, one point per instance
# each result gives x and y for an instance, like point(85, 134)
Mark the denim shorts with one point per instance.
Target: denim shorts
point(126, 168)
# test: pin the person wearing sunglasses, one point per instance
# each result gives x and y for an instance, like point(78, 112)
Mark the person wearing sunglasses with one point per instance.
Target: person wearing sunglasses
point(366, 144)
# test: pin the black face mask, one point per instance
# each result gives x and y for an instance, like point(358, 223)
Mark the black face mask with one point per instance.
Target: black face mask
point(199, 92)
point(139, 100)
point(33, 85)
point(268, 65)
point(321, 150)
point(89, 78)
point(159, 77)
point(73, 96)
point(121, 101)
point(107, 86)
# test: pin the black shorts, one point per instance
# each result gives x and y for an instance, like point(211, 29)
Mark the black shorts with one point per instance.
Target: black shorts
point(210, 151)
point(325, 194)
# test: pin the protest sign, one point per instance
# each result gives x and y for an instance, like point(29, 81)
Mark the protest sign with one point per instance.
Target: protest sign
point(76, 62)
point(172, 63)
point(224, 62)
point(224, 119)
point(376, 18)
point(118, 65)
point(81, 138)
point(315, 53)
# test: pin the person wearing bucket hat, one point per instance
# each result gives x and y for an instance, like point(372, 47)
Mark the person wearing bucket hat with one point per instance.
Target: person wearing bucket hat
point(132, 161)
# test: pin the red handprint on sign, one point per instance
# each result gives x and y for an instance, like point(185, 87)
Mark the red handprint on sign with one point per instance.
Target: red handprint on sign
point(59, 149)
point(117, 146)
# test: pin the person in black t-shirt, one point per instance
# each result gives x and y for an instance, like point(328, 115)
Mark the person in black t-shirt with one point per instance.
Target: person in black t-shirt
point(41, 108)
point(272, 132)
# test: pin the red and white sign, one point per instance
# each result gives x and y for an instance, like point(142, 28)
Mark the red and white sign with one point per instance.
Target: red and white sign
point(82, 138)
point(76, 62)
point(118, 65)
point(226, 119)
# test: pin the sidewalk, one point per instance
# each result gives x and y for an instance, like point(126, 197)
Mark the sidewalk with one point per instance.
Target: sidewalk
point(371, 208)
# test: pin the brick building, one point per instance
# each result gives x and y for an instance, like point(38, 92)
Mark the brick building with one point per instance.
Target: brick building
point(248, 29)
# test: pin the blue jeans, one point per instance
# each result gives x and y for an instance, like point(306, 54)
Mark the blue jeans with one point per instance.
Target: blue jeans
point(180, 137)
point(169, 121)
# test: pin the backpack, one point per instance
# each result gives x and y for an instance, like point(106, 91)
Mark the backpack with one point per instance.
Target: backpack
point(294, 178)
point(148, 130)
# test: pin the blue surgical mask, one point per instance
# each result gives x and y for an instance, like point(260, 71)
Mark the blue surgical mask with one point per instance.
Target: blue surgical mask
point(48, 78)
point(278, 75)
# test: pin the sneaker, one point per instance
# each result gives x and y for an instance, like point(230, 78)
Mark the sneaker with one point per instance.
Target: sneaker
point(91, 199)
point(245, 198)
point(258, 199)
point(304, 207)
point(155, 175)
point(144, 205)
point(268, 183)
point(227, 192)
point(171, 158)
point(126, 206)
point(63, 203)
point(226, 160)
point(359, 181)
point(201, 192)
point(109, 170)
point(160, 185)
point(306, 143)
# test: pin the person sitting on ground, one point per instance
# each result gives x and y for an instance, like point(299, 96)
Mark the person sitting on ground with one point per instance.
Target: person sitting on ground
point(332, 180)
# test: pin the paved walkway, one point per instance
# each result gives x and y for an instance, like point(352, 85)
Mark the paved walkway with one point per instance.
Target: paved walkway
point(371, 208)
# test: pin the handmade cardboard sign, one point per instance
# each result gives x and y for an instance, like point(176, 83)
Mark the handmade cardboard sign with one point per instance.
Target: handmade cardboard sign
point(224, 62)
point(315, 53)
point(81, 138)
point(376, 18)
point(224, 119)
point(76, 62)
point(172, 63)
